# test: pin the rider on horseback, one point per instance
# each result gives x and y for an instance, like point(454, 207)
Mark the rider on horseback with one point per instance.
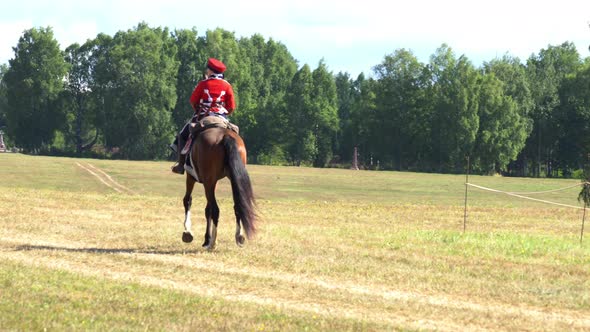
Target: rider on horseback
point(213, 96)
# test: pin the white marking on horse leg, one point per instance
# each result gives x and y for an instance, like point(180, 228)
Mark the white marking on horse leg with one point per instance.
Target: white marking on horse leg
point(187, 222)
point(213, 236)
point(238, 229)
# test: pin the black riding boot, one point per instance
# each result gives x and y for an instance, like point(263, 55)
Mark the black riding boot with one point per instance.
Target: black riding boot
point(178, 168)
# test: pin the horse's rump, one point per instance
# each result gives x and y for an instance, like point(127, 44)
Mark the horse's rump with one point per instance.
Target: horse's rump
point(197, 129)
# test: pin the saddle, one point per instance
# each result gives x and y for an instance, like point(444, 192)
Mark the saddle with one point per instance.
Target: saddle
point(211, 121)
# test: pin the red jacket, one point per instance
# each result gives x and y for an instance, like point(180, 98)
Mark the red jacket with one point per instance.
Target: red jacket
point(214, 95)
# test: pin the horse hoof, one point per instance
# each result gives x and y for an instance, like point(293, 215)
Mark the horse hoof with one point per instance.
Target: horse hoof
point(240, 240)
point(208, 247)
point(187, 237)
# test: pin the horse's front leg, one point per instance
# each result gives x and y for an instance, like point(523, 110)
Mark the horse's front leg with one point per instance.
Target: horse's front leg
point(187, 235)
point(208, 228)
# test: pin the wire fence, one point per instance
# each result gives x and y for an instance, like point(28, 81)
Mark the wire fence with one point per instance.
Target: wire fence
point(522, 196)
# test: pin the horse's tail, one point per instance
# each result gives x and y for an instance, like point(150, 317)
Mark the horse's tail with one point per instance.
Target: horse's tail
point(241, 186)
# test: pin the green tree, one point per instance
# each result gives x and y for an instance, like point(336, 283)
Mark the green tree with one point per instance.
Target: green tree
point(3, 102)
point(573, 119)
point(269, 120)
point(77, 99)
point(34, 81)
point(400, 91)
point(101, 82)
point(3, 105)
point(364, 119)
point(516, 85)
point(455, 119)
point(502, 129)
point(357, 115)
point(192, 60)
point(252, 74)
point(546, 72)
point(253, 89)
point(347, 93)
point(300, 107)
point(324, 114)
point(136, 82)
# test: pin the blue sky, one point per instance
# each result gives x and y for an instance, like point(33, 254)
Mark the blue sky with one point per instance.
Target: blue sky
point(350, 36)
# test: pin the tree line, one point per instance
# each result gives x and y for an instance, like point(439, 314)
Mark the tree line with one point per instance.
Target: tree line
point(125, 96)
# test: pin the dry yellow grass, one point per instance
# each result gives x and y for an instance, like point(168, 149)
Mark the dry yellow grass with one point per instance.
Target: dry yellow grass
point(337, 250)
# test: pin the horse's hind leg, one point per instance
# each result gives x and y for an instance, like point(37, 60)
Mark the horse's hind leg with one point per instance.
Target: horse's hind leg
point(212, 215)
point(239, 237)
point(187, 235)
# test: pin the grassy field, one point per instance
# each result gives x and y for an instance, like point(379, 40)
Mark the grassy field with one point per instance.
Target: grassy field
point(96, 245)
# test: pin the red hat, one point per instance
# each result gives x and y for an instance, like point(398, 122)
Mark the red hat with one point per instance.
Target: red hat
point(216, 65)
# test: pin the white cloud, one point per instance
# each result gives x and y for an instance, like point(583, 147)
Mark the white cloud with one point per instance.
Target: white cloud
point(65, 34)
point(11, 32)
point(74, 32)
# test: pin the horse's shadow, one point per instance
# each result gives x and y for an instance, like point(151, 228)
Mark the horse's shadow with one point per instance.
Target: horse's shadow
point(28, 247)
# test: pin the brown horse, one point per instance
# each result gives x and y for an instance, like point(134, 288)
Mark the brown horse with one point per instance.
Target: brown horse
point(217, 153)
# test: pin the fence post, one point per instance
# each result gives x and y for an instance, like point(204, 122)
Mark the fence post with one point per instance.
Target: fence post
point(584, 197)
point(466, 184)
point(583, 220)
point(355, 161)
point(2, 145)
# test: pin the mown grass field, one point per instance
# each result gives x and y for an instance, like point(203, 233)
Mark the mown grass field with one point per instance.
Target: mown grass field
point(96, 245)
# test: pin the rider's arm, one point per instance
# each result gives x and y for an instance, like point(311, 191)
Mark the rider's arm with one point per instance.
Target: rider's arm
point(196, 96)
point(230, 102)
